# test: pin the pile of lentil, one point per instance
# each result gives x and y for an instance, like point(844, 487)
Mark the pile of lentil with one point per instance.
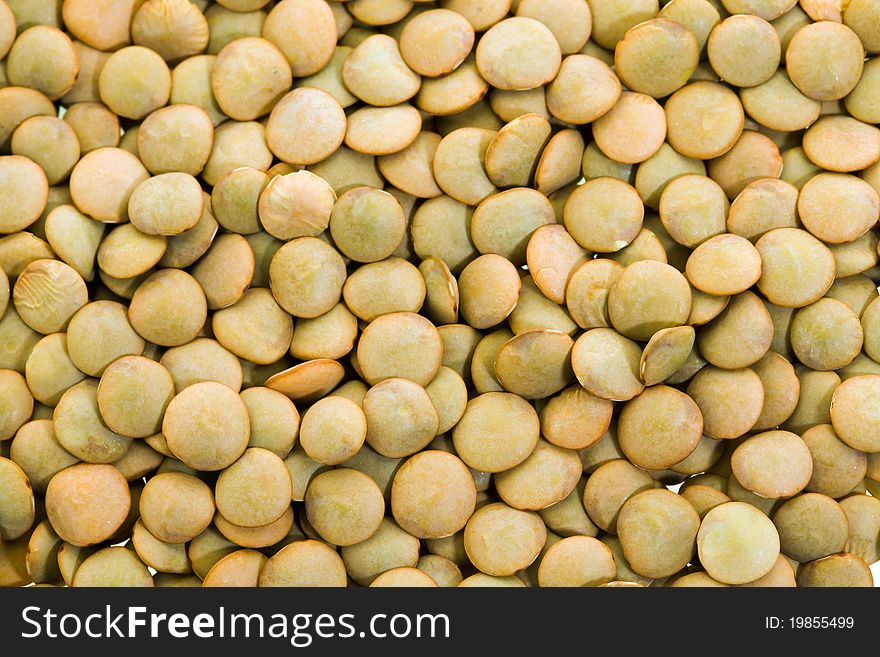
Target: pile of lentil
point(457, 293)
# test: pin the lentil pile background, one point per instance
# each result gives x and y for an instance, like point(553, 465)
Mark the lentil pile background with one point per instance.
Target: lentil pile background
point(458, 293)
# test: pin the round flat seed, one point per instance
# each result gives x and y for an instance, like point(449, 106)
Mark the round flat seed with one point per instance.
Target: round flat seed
point(646, 297)
point(864, 523)
point(612, 18)
point(402, 345)
point(304, 563)
point(344, 506)
point(367, 224)
point(587, 291)
point(49, 142)
point(839, 570)
point(296, 205)
point(512, 154)
point(102, 182)
point(837, 207)
point(113, 566)
point(609, 487)
point(370, 129)
point(606, 364)
point(773, 464)
point(74, 238)
point(172, 28)
point(441, 228)
point(176, 138)
point(552, 256)
point(489, 288)
point(704, 119)
point(837, 468)
point(631, 131)
point(207, 426)
point(657, 57)
point(47, 294)
point(241, 568)
point(811, 526)
point(169, 308)
point(841, 143)
point(753, 157)
point(745, 322)
point(825, 60)
point(861, 102)
point(699, 16)
point(167, 204)
point(333, 430)
point(762, 206)
point(853, 414)
point(161, 556)
point(331, 335)
point(135, 81)
point(730, 400)
point(24, 190)
point(796, 268)
point(737, 543)
point(459, 165)
point(294, 139)
point(102, 503)
point(435, 42)
point(658, 531)
point(17, 404)
point(500, 540)
point(255, 490)
point(826, 335)
point(693, 208)
point(441, 291)
point(306, 276)
point(98, 334)
point(133, 394)
point(659, 428)
point(390, 547)
point(856, 257)
point(577, 561)
point(547, 476)
point(234, 199)
point(742, 38)
point(518, 53)
point(392, 285)
point(127, 253)
point(391, 399)
point(17, 513)
point(80, 429)
point(779, 105)
point(403, 577)
point(567, 96)
point(535, 364)
point(308, 381)
point(248, 78)
point(225, 284)
point(18, 104)
point(304, 30)
point(411, 169)
point(376, 73)
point(497, 431)
point(781, 390)
point(665, 353)
point(255, 327)
point(575, 418)
point(37, 451)
point(503, 223)
point(237, 145)
point(604, 214)
point(443, 571)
